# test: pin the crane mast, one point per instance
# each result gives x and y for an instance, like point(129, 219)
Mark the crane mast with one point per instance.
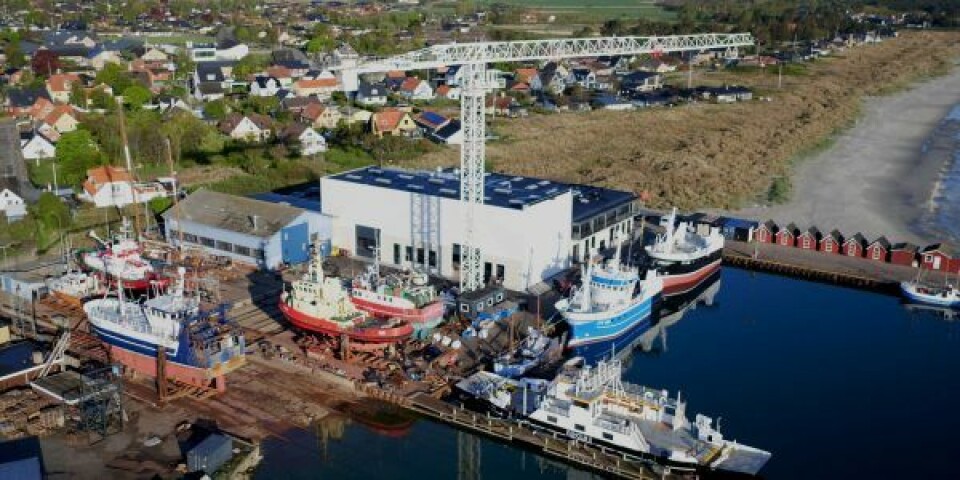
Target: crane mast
point(477, 81)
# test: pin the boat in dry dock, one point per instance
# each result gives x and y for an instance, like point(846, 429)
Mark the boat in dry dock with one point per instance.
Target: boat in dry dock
point(320, 304)
point(120, 260)
point(682, 257)
point(593, 405)
point(199, 348)
point(408, 297)
point(74, 287)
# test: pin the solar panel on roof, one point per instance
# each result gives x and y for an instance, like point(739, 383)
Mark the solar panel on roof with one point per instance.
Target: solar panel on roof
point(448, 191)
point(532, 187)
point(415, 186)
point(436, 180)
point(543, 182)
point(433, 117)
point(405, 176)
point(375, 170)
point(516, 179)
point(354, 177)
point(502, 190)
point(382, 180)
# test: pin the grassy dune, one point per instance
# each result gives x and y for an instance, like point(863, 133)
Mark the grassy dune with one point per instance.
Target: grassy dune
point(714, 155)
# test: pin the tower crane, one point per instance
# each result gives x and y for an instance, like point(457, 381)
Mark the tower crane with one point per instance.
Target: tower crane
point(477, 80)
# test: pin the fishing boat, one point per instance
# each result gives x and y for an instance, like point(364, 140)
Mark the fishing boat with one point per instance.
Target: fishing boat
point(120, 261)
point(408, 297)
point(612, 302)
point(535, 350)
point(682, 257)
point(75, 287)
point(501, 396)
point(946, 296)
point(320, 304)
point(194, 347)
point(593, 405)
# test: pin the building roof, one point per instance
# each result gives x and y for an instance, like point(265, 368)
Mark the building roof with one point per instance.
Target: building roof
point(316, 83)
point(882, 242)
point(367, 90)
point(388, 119)
point(61, 82)
point(940, 247)
point(448, 130)
point(59, 111)
point(499, 190)
point(16, 357)
point(25, 97)
point(97, 177)
point(410, 84)
point(905, 246)
point(432, 120)
point(243, 215)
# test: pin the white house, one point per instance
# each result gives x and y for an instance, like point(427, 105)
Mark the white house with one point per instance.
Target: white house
point(305, 140)
point(372, 94)
point(36, 147)
point(110, 186)
point(415, 89)
point(264, 86)
point(251, 127)
point(12, 205)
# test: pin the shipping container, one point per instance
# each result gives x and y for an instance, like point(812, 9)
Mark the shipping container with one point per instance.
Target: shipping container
point(210, 454)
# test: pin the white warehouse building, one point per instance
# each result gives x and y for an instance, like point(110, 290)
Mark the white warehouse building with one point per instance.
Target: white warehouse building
point(528, 229)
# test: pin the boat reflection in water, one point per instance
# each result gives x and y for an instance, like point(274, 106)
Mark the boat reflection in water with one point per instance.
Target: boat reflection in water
point(946, 313)
point(669, 312)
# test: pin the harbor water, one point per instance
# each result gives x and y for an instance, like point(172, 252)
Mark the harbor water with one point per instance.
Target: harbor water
point(836, 383)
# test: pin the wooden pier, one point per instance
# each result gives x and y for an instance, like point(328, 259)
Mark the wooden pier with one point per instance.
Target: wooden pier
point(853, 272)
point(550, 444)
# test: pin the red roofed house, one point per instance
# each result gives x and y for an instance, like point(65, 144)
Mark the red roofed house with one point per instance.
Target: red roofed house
point(904, 254)
point(831, 242)
point(41, 109)
point(766, 232)
point(283, 74)
point(448, 92)
point(318, 87)
point(879, 249)
point(392, 122)
point(62, 118)
point(854, 246)
point(808, 239)
point(416, 89)
point(939, 257)
point(110, 186)
point(787, 236)
point(59, 86)
point(321, 116)
point(530, 76)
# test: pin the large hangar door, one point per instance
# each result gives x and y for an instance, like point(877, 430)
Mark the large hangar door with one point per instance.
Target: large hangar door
point(368, 238)
point(296, 244)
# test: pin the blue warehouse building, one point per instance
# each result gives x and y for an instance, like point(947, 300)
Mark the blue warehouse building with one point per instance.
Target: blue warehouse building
point(267, 233)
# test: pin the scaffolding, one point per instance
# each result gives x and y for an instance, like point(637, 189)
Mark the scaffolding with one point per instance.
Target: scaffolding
point(99, 407)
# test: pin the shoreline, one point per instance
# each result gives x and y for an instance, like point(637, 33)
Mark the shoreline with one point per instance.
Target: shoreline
point(881, 176)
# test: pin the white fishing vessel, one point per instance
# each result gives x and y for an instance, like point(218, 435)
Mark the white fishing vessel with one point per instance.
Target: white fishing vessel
point(946, 296)
point(120, 260)
point(593, 405)
point(75, 286)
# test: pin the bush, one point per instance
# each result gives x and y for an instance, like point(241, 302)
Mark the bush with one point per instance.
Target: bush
point(779, 190)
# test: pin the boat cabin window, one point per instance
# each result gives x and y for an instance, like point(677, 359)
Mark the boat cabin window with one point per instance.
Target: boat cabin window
point(607, 436)
point(579, 428)
point(499, 297)
point(480, 306)
point(465, 308)
point(551, 418)
point(581, 404)
point(490, 302)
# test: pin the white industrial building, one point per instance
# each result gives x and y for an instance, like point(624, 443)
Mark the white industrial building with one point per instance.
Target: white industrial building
point(258, 232)
point(528, 229)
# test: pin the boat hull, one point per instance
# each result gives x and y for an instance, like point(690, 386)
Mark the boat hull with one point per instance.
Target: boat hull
point(427, 314)
point(682, 283)
point(590, 331)
point(910, 292)
point(327, 327)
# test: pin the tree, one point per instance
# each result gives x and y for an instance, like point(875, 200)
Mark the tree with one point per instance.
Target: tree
point(322, 39)
point(78, 96)
point(102, 100)
point(45, 63)
point(51, 212)
point(249, 65)
point(14, 54)
point(216, 110)
point(115, 76)
point(76, 152)
point(136, 96)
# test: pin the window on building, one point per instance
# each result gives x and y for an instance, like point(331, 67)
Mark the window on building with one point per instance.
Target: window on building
point(396, 254)
point(419, 255)
point(189, 237)
point(408, 254)
point(241, 250)
point(432, 258)
point(367, 240)
point(258, 254)
point(579, 428)
point(876, 254)
point(500, 271)
point(455, 256)
point(576, 253)
point(487, 271)
point(223, 246)
point(206, 242)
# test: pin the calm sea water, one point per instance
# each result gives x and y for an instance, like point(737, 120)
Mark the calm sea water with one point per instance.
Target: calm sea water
point(837, 383)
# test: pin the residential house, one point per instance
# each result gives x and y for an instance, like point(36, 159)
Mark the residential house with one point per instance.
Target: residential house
point(428, 122)
point(640, 81)
point(99, 57)
point(12, 205)
point(529, 76)
point(373, 94)
point(251, 127)
point(59, 86)
point(518, 87)
point(808, 239)
point(264, 86)
point(22, 101)
point(453, 76)
point(449, 134)
point(356, 115)
point(855, 245)
point(318, 87)
point(582, 77)
point(282, 74)
point(656, 65)
point(787, 236)
point(831, 242)
point(414, 88)
point(321, 116)
point(304, 139)
point(155, 55)
point(447, 92)
point(617, 63)
point(500, 106)
point(296, 105)
point(63, 119)
point(392, 122)
point(726, 94)
point(879, 249)
point(941, 257)
point(69, 37)
point(211, 80)
point(36, 147)
point(904, 254)
point(110, 186)
point(394, 79)
point(553, 78)
point(611, 102)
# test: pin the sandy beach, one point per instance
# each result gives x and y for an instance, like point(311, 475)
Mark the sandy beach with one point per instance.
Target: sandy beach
point(878, 177)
